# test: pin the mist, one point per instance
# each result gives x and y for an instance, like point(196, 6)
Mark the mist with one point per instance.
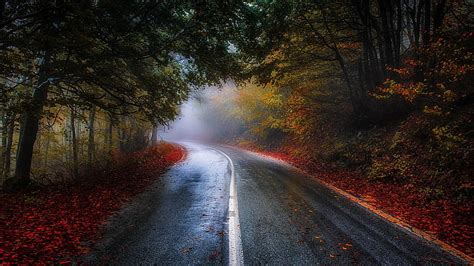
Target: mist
point(197, 120)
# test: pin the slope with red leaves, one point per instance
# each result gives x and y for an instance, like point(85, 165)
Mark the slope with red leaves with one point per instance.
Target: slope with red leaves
point(60, 222)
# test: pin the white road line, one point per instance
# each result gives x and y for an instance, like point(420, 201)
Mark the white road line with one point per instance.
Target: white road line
point(236, 256)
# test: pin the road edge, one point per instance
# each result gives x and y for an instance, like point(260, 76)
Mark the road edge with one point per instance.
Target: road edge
point(396, 221)
point(420, 233)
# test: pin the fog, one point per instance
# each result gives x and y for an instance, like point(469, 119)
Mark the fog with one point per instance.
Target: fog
point(196, 121)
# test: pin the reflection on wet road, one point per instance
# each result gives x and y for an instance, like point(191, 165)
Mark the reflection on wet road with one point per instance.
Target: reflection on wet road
point(284, 217)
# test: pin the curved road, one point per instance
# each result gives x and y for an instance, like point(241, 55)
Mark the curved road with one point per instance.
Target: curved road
point(223, 205)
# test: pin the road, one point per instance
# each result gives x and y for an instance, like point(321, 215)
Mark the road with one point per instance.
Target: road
point(223, 205)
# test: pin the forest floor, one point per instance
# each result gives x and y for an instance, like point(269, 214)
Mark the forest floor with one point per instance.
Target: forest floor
point(446, 220)
point(57, 223)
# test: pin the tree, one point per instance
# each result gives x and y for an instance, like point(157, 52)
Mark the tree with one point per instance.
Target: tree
point(91, 144)
point(127, 58)
point(74, 145)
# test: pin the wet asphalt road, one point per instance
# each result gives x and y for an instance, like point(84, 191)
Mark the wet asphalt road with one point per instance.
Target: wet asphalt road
point(284, 217)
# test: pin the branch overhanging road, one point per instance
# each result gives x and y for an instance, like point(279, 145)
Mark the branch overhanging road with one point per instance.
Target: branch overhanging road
point(223, 205)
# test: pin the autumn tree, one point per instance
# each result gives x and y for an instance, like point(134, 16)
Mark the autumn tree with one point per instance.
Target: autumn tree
point(124, 58)
point(361, 40)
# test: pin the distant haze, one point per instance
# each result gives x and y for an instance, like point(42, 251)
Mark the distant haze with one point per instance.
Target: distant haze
point(194, 121)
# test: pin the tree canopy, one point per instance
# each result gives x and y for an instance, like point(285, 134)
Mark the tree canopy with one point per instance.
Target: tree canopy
point(128, 58)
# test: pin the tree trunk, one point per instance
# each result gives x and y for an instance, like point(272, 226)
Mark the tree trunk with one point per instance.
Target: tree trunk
point(438, 16)
point(38, 148)
point(31, 120)
point(2, 8)
point(354, 101)
point(8, 150)
point(75, 163)
point(78, 119)
point(417, 22)
point(333, 46)
point(20, 131)
point(91, 143)
point(123, 135)
point(110, 132)
point(386, 32)
point(410, 19)
point(427, 23)
point(154, 136)
point(4, 145)
point(46, 150)
point(398, 34)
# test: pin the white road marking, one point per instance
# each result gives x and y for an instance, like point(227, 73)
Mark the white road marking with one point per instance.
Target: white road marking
point(236, 256)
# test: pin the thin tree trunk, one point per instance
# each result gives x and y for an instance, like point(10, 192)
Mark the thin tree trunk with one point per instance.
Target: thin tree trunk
point(78, 115)
point(65, 143)
point(417, 23)
point(386, 32)
point(75, 164)
point(2, 8)
point(154, 136)
point(120, 134)
point(427, 23)
point(21, 131)
point(4, 145)
point(410, 19)
point(110, 132)
point(398, 33)
point(31, 122)
point(331, 44)
point(46, 150)
point(417, 32)
point(8, 150)
point(91, 143)
point(438, 16)
point(124, 133)
point(37, 147)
